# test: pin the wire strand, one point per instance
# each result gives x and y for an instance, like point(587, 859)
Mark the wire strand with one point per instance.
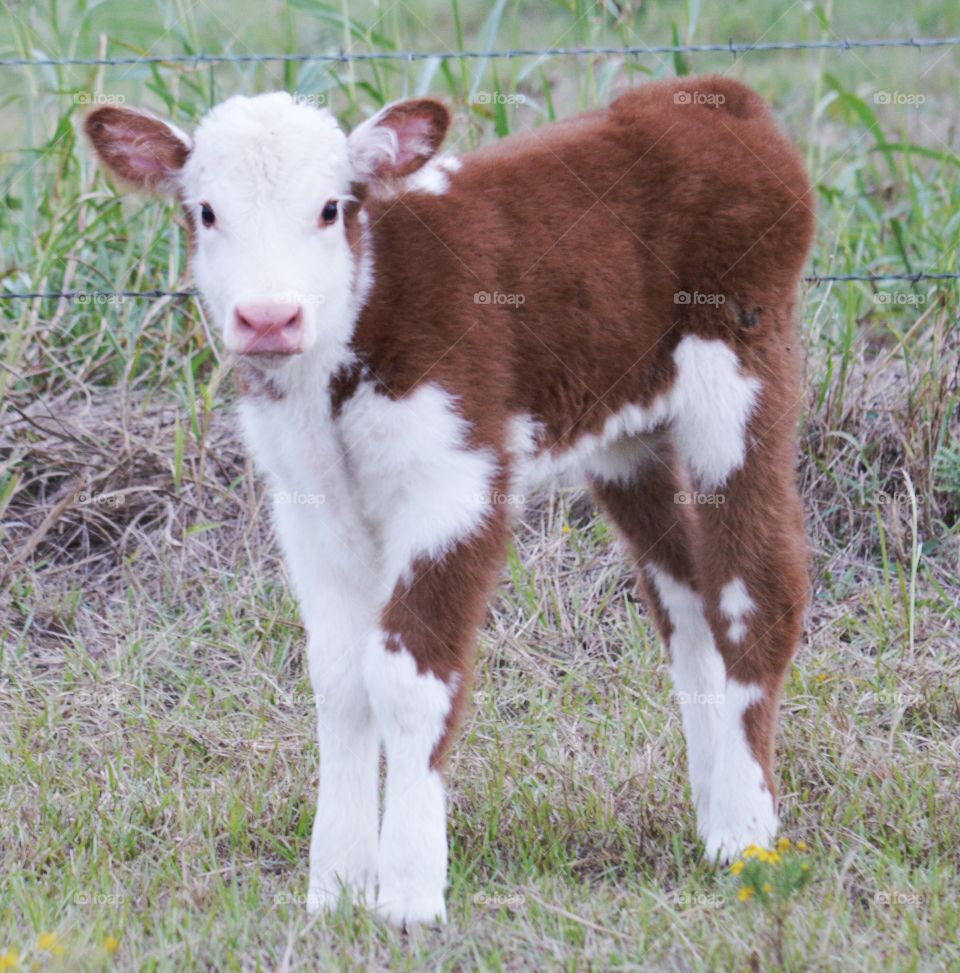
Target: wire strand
point(99, 297)
point(731, 47)
point(341, 57)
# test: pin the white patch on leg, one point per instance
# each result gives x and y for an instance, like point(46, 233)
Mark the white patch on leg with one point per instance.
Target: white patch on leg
point(736, 604)
point(710, 404)
point(734, 807)
point(698, 675)
point(411, 710)
point(741, 807)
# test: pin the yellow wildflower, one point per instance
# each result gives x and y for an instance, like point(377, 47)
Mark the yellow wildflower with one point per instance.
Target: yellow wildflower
point(801, 846)
point(9, 959)
point(767, 887)
point(773, 857)
point(783, 844)
point(111, 944)
point(753, 851)
point(47, 941)
point(567, 529)
point(745, 893)
point(736, 867)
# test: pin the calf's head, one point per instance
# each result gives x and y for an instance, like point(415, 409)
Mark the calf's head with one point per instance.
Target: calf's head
point(273, 190)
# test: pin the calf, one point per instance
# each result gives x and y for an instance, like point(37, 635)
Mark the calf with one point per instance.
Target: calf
point(420, 336)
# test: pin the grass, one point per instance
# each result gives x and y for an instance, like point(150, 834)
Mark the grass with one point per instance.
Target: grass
point(157, 761)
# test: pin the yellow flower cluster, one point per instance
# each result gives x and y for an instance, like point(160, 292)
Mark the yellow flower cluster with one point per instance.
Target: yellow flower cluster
point(767, 856)
point(47, 942)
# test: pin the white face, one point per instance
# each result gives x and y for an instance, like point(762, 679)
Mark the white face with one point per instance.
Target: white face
point(266, 181)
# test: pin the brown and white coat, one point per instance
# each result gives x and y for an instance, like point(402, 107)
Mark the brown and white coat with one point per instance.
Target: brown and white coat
point(422, 336)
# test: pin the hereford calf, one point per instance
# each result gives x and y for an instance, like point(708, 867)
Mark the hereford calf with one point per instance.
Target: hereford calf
point(420, 336)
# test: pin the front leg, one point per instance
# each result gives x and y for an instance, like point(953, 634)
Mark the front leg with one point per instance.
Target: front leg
point(413, 709)
point(340, 602)
point(418, 675)
point(343, 845)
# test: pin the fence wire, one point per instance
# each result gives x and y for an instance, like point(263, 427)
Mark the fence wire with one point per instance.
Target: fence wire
point(100, 297)
point(731, 47)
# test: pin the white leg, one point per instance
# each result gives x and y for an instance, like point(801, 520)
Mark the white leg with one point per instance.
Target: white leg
point(411, 711)
point(340, 605)
point(741, 807)
point(343, 846)
point(734, 808)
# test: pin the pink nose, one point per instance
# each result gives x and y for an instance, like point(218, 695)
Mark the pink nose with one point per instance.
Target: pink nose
point(269, 328)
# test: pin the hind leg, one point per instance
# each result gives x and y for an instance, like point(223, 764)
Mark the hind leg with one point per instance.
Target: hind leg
point(751, 568)
point(733, 431)
point(649, 510)
point(725, 574)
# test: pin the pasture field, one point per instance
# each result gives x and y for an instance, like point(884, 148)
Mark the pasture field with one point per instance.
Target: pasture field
point(157, 756)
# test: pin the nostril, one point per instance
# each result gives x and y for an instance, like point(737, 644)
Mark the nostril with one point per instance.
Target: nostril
point(269, 327)
point(268, 316)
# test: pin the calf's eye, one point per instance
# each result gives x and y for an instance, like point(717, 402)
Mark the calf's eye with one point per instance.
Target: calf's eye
point(206, 215)
point(328, 214)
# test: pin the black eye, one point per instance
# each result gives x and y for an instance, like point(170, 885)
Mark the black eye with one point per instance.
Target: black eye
point(206, 215)
point(329, 213)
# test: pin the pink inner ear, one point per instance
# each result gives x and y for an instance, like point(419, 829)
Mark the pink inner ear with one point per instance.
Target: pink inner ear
point(137, 150)
point(413, 137)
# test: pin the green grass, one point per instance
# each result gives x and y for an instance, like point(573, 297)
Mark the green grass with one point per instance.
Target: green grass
point(157, 760)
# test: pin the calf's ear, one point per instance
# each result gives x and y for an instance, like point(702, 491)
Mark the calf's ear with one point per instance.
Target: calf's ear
point(399, 139)
point(138, 148)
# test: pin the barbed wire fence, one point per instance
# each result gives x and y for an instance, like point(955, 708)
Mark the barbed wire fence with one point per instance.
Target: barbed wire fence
point(735, 49)
point(345, 57)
